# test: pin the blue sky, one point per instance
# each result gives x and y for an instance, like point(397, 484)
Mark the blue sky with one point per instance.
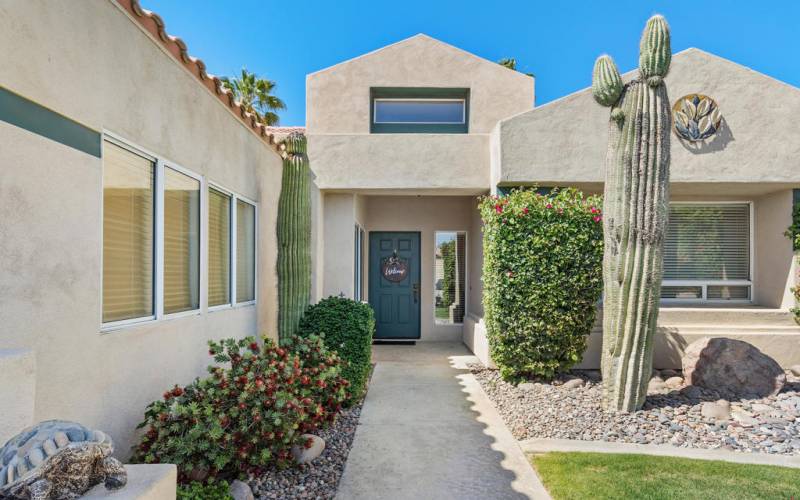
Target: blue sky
point(558, 41)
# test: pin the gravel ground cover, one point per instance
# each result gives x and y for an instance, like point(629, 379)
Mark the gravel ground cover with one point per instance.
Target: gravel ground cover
point(682, 416)
point(320, 478)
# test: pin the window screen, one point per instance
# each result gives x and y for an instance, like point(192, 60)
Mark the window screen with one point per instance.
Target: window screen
point(128, 234)
point(219, 248)
point(245, 251)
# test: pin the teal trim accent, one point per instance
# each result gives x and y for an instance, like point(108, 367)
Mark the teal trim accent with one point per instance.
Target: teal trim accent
point(24, 113)
point(418, 93)
point(506, 190)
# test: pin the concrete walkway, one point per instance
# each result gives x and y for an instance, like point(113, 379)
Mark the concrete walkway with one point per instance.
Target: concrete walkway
point(427, 431)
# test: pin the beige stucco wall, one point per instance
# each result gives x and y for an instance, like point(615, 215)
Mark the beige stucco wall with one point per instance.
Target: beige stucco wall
point(449, 162)
point(338, 97)
point(426, 214)
point(344, 154)
point(87, 60)
point(772, 252)
point(565, 141)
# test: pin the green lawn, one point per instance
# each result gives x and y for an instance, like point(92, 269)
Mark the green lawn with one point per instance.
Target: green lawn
point(601, 475)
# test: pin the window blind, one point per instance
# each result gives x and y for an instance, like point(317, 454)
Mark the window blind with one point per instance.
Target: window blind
point(219, 248)
point(128, 234)
point(181, 242)
point(707, 245)
point(245, 251)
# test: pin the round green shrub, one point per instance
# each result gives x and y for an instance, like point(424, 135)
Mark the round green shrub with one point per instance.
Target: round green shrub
point(214, 490)
point(247, 415)
point(347, 327)
point(542, 279)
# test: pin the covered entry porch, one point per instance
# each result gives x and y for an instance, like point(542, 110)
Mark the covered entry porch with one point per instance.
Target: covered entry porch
point(414, 256)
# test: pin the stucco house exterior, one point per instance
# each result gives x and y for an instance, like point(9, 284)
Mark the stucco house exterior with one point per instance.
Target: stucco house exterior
point(116, 148)
point(393, 177)
point(139, 203)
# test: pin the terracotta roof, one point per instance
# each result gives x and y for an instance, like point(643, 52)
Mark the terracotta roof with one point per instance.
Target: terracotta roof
point(280, 133)
point(154, 25)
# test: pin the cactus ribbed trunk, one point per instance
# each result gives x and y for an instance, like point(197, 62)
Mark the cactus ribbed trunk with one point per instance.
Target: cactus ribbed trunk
point(635, 217)
point(294, 238)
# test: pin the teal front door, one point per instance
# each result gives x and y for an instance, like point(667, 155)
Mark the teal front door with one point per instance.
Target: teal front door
point(394, 293)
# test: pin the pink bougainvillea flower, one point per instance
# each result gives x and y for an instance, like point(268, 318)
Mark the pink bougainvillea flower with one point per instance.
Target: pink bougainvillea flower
point(525, 210)
point(549, 205)
point(498, 208)
point(597, 218)
point(510, 274)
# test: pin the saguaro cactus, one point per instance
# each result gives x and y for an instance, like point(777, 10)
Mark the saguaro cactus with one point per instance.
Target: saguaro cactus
point(635, 215)
point(294, 237)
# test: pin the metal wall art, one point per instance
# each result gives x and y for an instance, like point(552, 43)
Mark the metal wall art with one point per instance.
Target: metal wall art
point(696, 117)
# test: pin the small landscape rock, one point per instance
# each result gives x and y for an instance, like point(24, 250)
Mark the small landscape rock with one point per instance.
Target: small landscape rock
point(573, 384)
point(527, 386)
point(240, 491)
point(720, 410)
point(673, 382)
point(303, 455)
point(795, 369)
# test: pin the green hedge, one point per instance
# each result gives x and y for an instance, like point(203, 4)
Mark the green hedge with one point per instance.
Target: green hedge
point(347, 327)
point(542, 278)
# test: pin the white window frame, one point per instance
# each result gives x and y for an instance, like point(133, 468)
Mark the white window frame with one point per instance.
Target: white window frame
point(376, 100)
point(358, 262)
point(162, 166)
point(137, 150)
point(232, 235)
point(160, 163)
point(436, 322)
point(704, 284)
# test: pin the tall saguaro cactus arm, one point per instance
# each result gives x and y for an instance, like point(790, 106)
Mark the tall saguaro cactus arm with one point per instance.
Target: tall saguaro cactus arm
point(294, 237)
point(635, 215)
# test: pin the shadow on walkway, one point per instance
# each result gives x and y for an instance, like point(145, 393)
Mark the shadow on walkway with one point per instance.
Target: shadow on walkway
point(423, 433)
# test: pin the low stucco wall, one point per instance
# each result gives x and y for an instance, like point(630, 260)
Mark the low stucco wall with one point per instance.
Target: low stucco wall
point(17, 390)
point(109, 75)
point(773, 331)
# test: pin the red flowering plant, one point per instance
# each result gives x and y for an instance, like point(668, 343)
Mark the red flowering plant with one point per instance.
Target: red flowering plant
point(250, 411)
point(542, 275)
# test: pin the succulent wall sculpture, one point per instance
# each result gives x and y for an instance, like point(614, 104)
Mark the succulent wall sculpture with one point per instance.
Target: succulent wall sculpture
point(294, 237)
point(635, 214)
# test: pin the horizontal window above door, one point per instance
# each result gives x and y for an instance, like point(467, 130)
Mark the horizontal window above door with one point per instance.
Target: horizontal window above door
point(419, 110)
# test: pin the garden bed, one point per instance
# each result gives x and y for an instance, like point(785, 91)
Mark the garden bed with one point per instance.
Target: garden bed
point(320, 478)
point(545, 410)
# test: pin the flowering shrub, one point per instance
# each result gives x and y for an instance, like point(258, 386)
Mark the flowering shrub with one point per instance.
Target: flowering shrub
point(542, 276)
point(347, 327)
point(247, 414)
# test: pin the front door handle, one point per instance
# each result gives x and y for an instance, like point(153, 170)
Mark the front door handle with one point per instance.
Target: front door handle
point(415, 288)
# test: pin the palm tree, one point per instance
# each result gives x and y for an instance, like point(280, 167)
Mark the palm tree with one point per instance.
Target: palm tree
point(511, 63)
point(255, 95)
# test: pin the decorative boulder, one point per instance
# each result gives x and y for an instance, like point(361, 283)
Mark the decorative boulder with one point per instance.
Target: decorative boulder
point(733, 368)
point(305, 454)
point(58, 459)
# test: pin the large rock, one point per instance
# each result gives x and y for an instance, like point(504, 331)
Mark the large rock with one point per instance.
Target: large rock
point(733, 368)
